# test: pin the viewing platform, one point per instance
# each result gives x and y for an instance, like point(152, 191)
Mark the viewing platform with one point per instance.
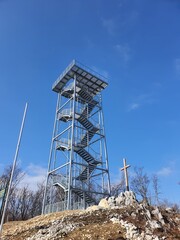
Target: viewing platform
point(84, 77)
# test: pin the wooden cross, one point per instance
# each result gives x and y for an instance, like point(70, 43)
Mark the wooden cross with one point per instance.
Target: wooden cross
point(125, 173)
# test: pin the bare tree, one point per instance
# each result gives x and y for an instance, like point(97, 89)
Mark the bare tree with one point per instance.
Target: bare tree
point(25, 201)
point(18, 176)
point(156, 188)
point(167, 204)
point(37, 200)
point(117, 188)
point(140, 183)
point(12, 207)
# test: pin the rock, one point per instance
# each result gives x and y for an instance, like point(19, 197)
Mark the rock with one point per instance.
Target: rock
point(133, 215)
point(93, 208)
point(120, 200)
point(112, 201)
point(115, 220)
point(57, 230)
point(127, 198)
point(169, 209)
point(155, 225)
point(148, 214)
point(159, 216)
point(103, 203)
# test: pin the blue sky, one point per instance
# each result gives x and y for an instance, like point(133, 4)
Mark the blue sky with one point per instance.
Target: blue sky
point(133, 43)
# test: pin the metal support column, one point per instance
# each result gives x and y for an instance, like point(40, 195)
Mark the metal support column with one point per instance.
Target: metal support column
point(72, 148)
point(50, 156)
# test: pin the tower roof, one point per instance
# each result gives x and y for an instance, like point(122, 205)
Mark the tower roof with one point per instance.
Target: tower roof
point(85, 77)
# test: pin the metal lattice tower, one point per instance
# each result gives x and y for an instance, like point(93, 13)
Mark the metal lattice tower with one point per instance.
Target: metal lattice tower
point(78, 162)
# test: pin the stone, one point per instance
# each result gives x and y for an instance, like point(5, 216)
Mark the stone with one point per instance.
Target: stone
point(159, 216)
point(93, 208)
point(115, 220)
point(125, 199)
point(168, 209)
point(155, 225)
point(148, 214)
point(112, 201)
point(103, 203)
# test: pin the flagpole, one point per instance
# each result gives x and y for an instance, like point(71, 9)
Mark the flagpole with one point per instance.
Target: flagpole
point(13, 168)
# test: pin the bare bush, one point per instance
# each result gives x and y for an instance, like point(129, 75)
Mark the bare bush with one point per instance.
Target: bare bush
point(140, 183)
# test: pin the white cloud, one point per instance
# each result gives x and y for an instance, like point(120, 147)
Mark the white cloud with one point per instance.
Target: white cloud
point(116, 177)
point(36, 169)
point(165, 171)
point(109, 25)
point(124, 51)
point(133, 106)
point(141, 100)
point(177, 65)
point(34, 174)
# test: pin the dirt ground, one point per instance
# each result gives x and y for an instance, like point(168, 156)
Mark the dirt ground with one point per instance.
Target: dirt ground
point(18, 230)
point(83, 225)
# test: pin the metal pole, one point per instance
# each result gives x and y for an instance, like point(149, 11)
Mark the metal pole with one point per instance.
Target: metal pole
point(100, 126)
point(13, 168)
point(50, 154)
point(105, 147)
point(72, 150)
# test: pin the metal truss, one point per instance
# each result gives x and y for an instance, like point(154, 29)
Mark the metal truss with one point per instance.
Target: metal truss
point(78, 162)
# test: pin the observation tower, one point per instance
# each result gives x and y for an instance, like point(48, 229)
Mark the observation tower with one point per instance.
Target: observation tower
point(78, 172)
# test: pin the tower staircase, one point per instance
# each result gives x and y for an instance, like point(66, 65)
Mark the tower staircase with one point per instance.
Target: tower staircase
point(80, 147)
point(78, 160)
point(62, 181)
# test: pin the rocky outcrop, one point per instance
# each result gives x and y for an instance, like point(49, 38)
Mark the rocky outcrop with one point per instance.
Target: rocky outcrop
point(124, 199)
point(154, 220)
point(122, 218)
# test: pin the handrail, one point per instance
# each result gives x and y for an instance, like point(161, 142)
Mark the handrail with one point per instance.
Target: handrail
point(83, 67)
point(69, 87)
point(93, 72)
point(69, 112)
point(64, 72)
point(60, 179)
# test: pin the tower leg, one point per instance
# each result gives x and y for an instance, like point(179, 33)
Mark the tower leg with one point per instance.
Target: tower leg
point(50, 156)
point(72, 147)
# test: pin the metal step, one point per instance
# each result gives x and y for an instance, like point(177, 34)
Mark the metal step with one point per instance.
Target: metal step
point(81, 194)
point(85, 95)
point(89, 99)
point(88, 136)
point(88, 109)
point(86, 155)
point(85, 122)
point(86, 172)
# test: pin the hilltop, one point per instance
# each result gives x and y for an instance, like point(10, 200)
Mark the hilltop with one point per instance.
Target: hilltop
point(113, 219)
